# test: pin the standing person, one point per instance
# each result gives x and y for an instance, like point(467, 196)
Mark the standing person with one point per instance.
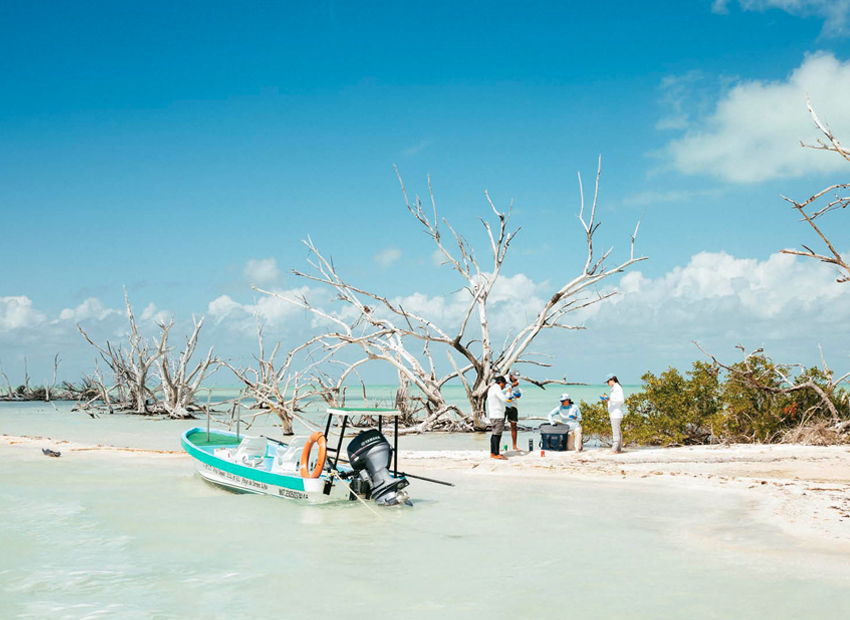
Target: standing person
point(497, 398)
point(511, 410)
point(616, 403)
point(568, 413)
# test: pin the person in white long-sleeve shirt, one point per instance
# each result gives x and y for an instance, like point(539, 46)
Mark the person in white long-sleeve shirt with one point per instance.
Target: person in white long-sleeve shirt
point(616, 407)
point(569, 414)
point(497, 399)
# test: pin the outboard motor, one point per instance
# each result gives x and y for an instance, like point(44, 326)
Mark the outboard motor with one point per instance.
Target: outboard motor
point(370, 455)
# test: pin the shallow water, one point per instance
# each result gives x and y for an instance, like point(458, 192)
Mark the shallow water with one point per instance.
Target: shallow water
point(57, 421)
point(100, 535)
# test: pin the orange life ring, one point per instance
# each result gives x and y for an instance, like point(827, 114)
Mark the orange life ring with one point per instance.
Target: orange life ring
point(319, 438)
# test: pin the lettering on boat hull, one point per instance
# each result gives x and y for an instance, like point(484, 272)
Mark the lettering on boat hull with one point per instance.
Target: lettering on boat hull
point(246, 484)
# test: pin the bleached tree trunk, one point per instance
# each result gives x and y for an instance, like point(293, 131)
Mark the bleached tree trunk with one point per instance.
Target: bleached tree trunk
point(52, 384)
point(179, 384)
point(8, 385)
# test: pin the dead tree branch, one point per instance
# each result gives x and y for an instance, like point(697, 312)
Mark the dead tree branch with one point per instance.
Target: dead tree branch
point(838, 201)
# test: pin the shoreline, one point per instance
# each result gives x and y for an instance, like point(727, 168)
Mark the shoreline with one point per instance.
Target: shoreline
point(803, 490)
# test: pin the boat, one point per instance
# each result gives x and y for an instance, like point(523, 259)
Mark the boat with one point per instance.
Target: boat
point(262, 465)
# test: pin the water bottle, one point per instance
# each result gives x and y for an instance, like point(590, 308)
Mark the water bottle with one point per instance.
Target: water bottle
point(530, 445)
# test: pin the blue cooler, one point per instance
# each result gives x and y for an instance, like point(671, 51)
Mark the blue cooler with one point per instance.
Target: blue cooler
point(554, 437)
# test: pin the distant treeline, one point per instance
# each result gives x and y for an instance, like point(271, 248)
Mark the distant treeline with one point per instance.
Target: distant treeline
point(755, 400)
point(65, 391)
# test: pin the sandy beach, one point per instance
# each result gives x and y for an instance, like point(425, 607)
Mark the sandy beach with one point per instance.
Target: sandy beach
point(804, 490)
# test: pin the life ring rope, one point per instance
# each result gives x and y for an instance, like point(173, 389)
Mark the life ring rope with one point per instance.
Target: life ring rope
point(315, 438)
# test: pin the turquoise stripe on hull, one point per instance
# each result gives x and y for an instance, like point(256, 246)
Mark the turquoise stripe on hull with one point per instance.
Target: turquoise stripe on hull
point(280, 480)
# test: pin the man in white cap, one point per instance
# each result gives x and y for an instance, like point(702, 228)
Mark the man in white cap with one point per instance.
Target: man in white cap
point(568, 413)
point(616, 405)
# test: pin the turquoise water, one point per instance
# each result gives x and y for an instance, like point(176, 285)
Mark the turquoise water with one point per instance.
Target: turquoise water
point(100, 535)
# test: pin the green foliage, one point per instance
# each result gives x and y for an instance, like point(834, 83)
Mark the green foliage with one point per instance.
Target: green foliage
point(674, 410)
point(749, 402)
point(594, 422)
point(756, 410)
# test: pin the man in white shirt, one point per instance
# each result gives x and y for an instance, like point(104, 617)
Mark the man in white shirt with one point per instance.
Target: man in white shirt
point(497, 398)
point(616, 405)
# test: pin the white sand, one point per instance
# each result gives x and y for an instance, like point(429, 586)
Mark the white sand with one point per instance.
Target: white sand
point(803, 489)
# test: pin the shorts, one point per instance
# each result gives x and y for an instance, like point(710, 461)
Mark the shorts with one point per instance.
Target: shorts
point(512, 414)
point(497, 426)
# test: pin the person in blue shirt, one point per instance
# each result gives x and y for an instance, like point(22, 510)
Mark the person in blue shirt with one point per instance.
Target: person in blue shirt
point(568, 413)
point(511, 410)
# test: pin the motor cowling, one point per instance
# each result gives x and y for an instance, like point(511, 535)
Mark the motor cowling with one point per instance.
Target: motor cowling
point(370, 455)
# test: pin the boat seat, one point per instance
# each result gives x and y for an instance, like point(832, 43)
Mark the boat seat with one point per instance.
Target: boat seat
point(251, 451)
point(288, 458)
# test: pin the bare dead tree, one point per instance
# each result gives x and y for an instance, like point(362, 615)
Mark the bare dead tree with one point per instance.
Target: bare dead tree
point(837, 199)
point(385, 331)
point(11, 394)
point(52, 385)
point(45, 392)
point(132, 368)
point(279, 389)
point(178, 384)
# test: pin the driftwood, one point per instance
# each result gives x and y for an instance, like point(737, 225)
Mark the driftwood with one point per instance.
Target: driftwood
point(384, 330)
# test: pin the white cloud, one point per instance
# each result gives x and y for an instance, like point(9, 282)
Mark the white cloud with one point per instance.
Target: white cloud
point(417, 148)
point(833, 12)
point(647, 198)
point(91, 308)
point(755, 129)
point(676, 93)
point(512, 304)
point(18, 312)
point(387, 256)
point(269, 309)
point(222, 306)
point(151, 313)
point(438, 258)
point(715, 288)
point(262, 270)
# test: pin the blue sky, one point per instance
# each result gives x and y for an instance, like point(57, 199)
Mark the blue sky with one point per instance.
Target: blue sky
point(183, 149)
